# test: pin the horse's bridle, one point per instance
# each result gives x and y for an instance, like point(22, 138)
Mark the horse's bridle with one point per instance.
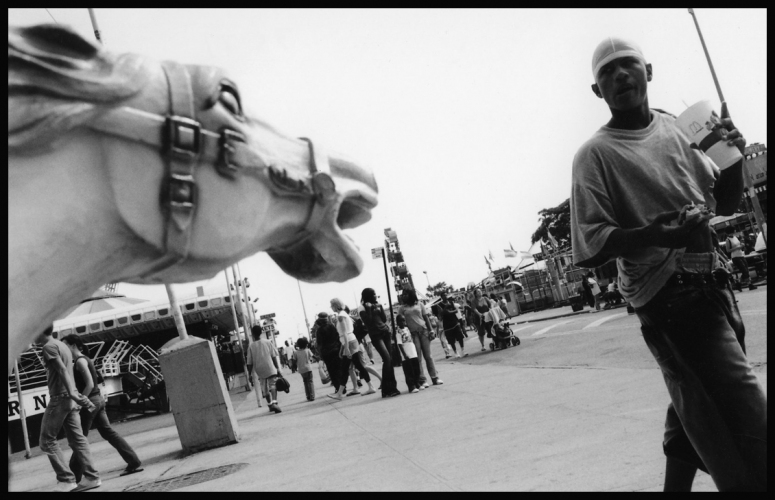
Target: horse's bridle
point(185, 143)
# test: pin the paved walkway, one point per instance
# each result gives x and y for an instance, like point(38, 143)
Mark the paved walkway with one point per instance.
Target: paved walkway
point(488, 427)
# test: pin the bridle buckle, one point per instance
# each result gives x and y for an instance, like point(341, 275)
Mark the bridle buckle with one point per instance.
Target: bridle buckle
point(225, 164)
point(181, 192)
point(183, 140)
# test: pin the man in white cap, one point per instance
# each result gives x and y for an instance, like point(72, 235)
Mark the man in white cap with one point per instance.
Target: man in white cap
point(630, 183)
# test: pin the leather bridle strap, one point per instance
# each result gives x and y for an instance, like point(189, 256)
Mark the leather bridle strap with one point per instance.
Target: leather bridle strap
point(179, 190)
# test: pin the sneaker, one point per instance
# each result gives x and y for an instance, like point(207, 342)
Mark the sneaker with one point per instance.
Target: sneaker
point(335, 396)
point(421, 387)
point(131, 469)
point(275, 408)
point(483, 349)
point(65, 486)
point(438, 381)
point(414, 391)
point(87, 484)
point(425, 385)
point(449, 356)
point(457, 355)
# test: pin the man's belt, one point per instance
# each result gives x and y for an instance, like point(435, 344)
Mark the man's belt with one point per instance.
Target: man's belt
point(719, 277)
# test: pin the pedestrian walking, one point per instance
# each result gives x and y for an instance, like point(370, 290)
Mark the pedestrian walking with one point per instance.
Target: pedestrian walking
point(419, 322)
point(63, 409)
point(631, 185)
point(328, 346)
point(289, 356)
point(594, 291)
point(86, 379)
point(482, 314)
point(503, 306)
point(451, 325)
point(302, 357)
point(262, 360)
point(735, 250)
point(349, 352)
point(460, 312)
point(410, 362)
point(373, 317)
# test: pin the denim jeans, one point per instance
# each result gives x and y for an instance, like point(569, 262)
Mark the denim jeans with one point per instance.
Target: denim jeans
point(718, 416)
point(423, 345)
point(383, 344)
point(61, 410)
point(309, 385)
point(100, 419)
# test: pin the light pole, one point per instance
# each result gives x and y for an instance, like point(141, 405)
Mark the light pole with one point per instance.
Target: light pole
point(427, 279)
point(304, 310)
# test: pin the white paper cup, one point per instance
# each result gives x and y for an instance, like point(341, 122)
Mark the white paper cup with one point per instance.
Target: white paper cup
point(703, 128)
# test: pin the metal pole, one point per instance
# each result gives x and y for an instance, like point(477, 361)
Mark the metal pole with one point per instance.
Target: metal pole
point(176, 313)
point(94, 25)
point(390, 300)
point(303, 309)
point(236, 327)
point(707, 56)
point(22, 413)
point(247, 307)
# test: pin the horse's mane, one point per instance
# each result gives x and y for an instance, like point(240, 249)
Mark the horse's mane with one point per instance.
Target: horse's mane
point(57, 80)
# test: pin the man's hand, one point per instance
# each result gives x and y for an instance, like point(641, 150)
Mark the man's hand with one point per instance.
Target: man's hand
point(660, 234)
point(733, 136)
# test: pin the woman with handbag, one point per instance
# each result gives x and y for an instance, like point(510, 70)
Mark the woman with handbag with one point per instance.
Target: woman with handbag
point(349, 351)
point(419, 323)
point(328, 345)
point(373, 317)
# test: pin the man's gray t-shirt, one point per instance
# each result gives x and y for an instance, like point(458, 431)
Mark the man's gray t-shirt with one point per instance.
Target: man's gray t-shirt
point(624, 179)
point(260, 354)
point(57, 349)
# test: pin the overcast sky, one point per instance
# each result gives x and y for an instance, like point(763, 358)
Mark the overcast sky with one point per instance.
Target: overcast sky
point(468, 118)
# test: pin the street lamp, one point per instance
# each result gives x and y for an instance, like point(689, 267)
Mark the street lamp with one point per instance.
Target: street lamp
point(426, 278)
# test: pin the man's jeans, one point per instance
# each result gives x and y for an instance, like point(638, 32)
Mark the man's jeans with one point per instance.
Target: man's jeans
point(61, 410)
point(101, 422)
point(718, 416)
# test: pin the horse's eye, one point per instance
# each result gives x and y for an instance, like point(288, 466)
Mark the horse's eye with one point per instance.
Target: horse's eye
point(230, 100)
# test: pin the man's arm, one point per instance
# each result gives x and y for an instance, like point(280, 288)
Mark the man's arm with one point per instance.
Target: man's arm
point(728, 188)
point(58, 366)
point(656, 234)
point(83, 369)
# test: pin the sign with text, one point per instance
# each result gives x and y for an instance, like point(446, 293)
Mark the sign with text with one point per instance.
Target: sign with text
point(265, 316)
point(376, 253)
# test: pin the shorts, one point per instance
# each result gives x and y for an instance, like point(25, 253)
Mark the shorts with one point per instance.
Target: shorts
point(268, 384)
point(454, 334)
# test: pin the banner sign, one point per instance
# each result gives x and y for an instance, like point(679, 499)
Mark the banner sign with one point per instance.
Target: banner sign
point(376, 253)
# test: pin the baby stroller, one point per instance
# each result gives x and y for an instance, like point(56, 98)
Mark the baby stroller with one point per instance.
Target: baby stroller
point(502, 336)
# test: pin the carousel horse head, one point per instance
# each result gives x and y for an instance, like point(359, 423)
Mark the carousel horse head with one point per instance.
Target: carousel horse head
point(195, 183)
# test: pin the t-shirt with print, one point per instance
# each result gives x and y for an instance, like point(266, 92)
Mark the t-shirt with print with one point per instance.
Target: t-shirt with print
point(57, 349)
point(624, 179)
point(302, 360)
point(404, 338)
point(260, 354)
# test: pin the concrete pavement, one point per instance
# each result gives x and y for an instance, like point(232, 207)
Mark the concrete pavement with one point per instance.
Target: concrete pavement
point(491, 426)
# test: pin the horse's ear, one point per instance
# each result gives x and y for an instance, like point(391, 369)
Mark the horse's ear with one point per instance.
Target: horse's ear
point(58, 80)
point(56, 44)
point(55, 60)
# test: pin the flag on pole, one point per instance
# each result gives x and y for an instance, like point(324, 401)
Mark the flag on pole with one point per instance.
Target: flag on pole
point(511, 246)
point(491, 257)
point(487, 261)
point(510, 254)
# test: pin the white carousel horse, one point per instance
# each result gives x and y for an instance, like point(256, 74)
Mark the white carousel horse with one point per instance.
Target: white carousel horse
point(125, 169)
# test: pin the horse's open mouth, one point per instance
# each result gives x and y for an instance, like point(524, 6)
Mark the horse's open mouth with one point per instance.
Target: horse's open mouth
point(328, 254)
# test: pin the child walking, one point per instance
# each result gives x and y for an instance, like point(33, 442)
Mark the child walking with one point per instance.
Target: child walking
point(301, 357)
point(410, 363)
